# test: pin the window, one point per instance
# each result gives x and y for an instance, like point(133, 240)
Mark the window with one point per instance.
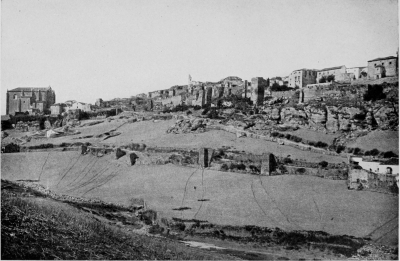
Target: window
point(15, 97)
point(390, 62)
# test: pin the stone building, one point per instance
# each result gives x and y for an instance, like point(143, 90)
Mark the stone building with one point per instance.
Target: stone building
point(339, 72)
point(302, 77)
point(25, 99)
point(57, 108)
point(80, 105)
point(382, 67)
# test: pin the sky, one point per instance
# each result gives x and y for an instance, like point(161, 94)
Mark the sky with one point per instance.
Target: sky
point(89, 49)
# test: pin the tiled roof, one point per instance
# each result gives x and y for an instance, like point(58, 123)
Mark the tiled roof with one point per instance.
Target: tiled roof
point(383, 58)
point(305, 69)
point(30, 89)
point(331, 68)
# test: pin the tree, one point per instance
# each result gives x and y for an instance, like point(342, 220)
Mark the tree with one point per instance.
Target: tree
point(268, 82)
point(277, 88)
point(330, 78)
point(363, 74)
point(375, 92)
point(323, 164)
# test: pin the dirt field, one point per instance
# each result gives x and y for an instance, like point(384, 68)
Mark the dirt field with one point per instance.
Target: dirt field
point(154, 134)
point(381, 140)
point(288, 202)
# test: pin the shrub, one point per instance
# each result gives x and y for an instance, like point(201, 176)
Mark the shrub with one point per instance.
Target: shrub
point(374, 152)
point(301, 170)
point(390, 154)
point(323, 164)
point(330, 78)
point(322, 79)
point(274, 134)
point(357, 151)
point(321, 144)
point(197, 107)
point(241, 166)
point(288, 136)
point(340, 148)
point(277, 88)
point(298, 139)
point(281, 135)
point(287, 160)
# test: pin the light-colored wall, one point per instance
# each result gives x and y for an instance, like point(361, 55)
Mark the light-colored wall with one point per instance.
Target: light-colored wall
point(388, 64)
point(338, 73)
point(301, 78)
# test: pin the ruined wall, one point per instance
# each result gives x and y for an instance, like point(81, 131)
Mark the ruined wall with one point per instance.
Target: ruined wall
point(198, 99)
point(336, 174)
point(366, 180)
point(287, 94)
point(171, 101)
point(258, 85)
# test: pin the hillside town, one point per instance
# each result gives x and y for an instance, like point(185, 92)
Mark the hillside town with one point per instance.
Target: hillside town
point(178, 130)
point(332, 100)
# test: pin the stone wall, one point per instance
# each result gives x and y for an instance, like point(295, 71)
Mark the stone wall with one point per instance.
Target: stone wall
point(171, 101)
point(287, 94)
point(362, 179)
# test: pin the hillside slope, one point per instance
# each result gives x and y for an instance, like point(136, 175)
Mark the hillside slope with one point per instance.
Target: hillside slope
point(288, 202)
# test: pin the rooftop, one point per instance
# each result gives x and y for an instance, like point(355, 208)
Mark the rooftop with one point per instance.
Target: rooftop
point(30, 89)
point(331, 68)
point(305, 69)
point(383, 58)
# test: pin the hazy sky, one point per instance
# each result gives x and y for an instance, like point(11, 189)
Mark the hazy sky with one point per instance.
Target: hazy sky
point(88, 49)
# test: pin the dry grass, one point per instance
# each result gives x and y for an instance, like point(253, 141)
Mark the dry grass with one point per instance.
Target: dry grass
point(287, 202)
point(381, 140)
point(38, 228)
point(313, 135)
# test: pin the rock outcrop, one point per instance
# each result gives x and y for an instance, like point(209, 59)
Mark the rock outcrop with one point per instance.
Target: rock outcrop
point(188, 125)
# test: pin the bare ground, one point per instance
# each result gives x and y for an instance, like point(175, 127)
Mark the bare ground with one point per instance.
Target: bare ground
point(288, 202)
point(154, 134)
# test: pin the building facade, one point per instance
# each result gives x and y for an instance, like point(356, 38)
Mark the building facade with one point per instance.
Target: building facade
point(382, 67)
point(339, 72)
point(355, 72)
point(300, 78)
point(28, 99)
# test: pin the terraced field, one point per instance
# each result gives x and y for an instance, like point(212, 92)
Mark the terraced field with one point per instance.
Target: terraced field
point(288, 202)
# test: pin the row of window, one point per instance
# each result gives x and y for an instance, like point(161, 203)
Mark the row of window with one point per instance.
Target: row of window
point(382, 63)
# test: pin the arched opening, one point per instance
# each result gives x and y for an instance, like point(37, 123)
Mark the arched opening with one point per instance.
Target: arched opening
point(389, 170)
